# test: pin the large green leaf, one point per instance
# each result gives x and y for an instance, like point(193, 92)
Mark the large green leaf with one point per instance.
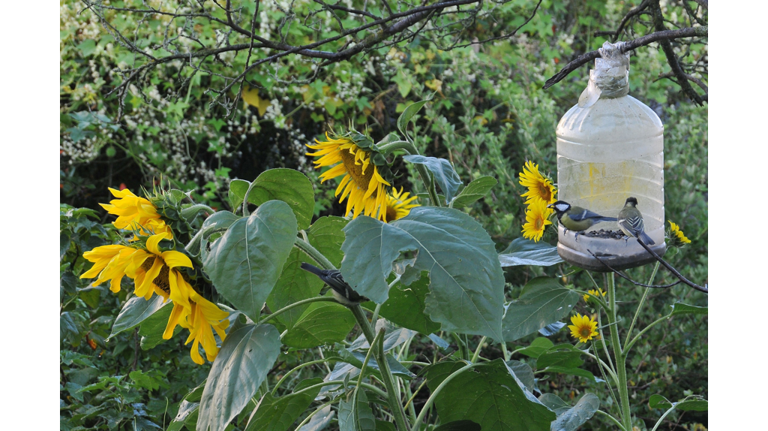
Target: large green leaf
point(151, 329)
point(537, 347)
point(279, 413)
point(287, 185)
point(526, 252)
point(473, 192)
point(489, 395)
point(245, 358)
point(444, 174)
point(245, 263)
point(321, 323)
point(327, 235)
point(293, 285)
point(405, 307)
point(570, 418)
point(541, 302)
point(466, 281)
point(554, 358)
point(135, 311)
point(463, 425)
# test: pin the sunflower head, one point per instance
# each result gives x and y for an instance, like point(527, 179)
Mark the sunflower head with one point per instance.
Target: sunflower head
point(583, 328)
point(398, 205)
point(677, 236)
point(599, 292)
point(135, 213)
point(539, 186)
point(536, 220)
point(168, 205)
point(366, 177)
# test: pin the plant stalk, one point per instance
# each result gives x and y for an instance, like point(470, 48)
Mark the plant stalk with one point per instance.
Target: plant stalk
point(621, 363)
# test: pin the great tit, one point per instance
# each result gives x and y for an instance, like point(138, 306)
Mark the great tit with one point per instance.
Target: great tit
point(341, 290)
point(631, 222)
point(576, 219)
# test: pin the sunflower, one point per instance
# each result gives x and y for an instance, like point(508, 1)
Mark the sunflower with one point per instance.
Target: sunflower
point(156, 271)
point(398, 205)
point(363, 185)
point(599, 292)
point(583, 328)
point(136, 213)
point(677, 235)
point(536, 220)
point(539, 187)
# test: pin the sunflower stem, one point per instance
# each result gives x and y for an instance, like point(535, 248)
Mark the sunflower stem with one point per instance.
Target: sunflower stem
point(398, 412)
point(642, 301)
point(318, 257)
point(621, 362)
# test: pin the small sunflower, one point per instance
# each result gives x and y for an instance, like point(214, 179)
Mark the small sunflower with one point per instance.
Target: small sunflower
point(135, 213)
point(583, 328)
point(677, 235)
point(398, 205)
point(593, 292)
point(158, 272)
point(539, 187)
point(536, 220)
point(363, 185)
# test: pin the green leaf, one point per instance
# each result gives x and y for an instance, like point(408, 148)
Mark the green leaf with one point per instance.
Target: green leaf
point(466, 281)
point(541, 302)
point(356, 418)
point(659, 402)
point(245, 358)
point(537, 347)
point(87, 47)
point(574, 372)
point(135, 311)
point(187, 410)
point(693, 403)
point(237, 189)
point(490, 395)
point(474, 191)
point(570, 418)
point(294, 285)
point(526, 252)
point(278, 414)
point(406, 305)
point(524, 374)
point(327, 235)
point(245, 263)
point(152, 328)
point(321, 323)
point(90, 295)
point(287, 185)
point(404, 87)
point(320, 420)
point(559, 359)
point(680, 308)
point(408, 113)
point(444, 174)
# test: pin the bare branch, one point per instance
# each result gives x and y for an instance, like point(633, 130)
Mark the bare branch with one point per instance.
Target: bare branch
point(671, 57)
point(624, 20)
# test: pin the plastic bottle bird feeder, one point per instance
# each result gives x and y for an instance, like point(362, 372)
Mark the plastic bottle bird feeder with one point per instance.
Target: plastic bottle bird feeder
point(610, 146)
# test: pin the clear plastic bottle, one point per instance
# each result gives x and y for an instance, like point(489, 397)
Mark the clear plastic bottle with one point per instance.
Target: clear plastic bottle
point(610, 146)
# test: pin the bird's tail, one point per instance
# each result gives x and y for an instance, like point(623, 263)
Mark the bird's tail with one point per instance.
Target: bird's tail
point(311, 268)
point(646, 239)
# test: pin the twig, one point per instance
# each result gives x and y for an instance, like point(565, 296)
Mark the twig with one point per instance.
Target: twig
point(629, 46)
point(664, 286)
point(704, 288)
point(624, 20)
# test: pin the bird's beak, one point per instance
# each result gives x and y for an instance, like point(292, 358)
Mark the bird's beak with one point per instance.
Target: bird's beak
point(550, 205)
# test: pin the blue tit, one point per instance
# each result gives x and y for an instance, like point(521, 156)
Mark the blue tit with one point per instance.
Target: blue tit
point(576, 219)
point(631, 222)
point(341, 290)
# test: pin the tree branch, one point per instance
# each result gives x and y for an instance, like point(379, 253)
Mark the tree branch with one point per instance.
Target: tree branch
point(629, 46)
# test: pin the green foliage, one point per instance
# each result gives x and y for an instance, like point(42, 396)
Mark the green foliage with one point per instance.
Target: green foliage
point(486, 116)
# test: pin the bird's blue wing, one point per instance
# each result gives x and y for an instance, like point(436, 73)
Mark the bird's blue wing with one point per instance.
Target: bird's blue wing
point(585, 214)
